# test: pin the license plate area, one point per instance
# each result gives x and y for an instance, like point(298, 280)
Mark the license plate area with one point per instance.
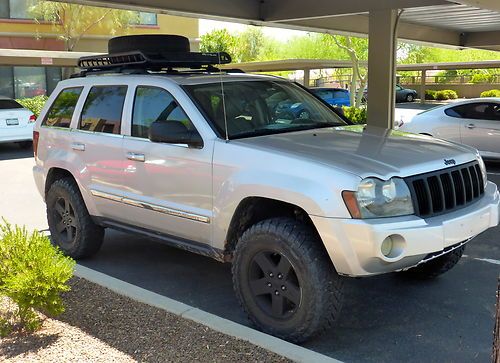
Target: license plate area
point(12, 121)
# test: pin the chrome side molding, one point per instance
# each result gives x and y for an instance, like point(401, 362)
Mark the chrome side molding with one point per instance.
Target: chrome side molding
point(150, 206)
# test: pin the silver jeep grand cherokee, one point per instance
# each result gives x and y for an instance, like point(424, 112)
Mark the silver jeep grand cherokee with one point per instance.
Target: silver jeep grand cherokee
point(226, 165)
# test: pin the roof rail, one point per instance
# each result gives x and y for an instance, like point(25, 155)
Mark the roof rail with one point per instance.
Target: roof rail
point(137, 60)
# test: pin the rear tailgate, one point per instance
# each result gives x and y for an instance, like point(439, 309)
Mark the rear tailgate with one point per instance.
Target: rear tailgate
point(15, 118)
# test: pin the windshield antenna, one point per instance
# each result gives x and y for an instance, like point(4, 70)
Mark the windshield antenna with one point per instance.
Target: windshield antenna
point(223, 100)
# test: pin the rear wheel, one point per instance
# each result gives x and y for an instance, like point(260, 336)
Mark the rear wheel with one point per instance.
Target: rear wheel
point(71, 227)
point(285, 281)
point(410, 97)
point(437, 266)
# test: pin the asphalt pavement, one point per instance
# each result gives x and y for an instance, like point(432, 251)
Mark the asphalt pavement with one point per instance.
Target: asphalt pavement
point(385, 318)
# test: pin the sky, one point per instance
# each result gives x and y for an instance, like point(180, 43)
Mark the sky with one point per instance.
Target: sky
point(207, 26)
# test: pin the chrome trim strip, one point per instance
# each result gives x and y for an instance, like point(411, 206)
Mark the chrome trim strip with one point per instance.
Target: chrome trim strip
point(152, 207)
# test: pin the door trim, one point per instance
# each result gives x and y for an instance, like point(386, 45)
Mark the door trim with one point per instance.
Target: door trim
point(153, 207)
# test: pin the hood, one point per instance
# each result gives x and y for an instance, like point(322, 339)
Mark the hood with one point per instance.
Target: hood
point(366, 151)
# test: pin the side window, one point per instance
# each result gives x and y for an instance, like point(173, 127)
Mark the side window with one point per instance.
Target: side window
point(454, 111)
point(153, 104)
point(62, 109)
point(476, 111)
point(103, 108)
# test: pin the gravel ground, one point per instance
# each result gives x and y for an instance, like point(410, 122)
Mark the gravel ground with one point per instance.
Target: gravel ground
point(102, 326)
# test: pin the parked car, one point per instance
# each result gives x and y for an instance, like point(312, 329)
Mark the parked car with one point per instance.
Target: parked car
point(200, 160)
point(475, 122)
point(402, 94)
point(16, 123)
point(337, 97)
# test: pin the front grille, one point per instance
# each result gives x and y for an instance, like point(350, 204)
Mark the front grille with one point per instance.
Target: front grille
point(446, 190)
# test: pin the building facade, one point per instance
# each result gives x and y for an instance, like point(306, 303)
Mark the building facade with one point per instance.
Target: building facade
point(20, 31)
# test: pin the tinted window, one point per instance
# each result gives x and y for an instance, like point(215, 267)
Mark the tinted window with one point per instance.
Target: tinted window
point(103, 108)
point(9, 104)
point(62, 109)
point(155, 104)
point(340, 94)
point(476, 111)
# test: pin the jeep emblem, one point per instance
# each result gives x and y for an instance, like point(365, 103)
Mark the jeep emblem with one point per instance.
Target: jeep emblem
point(449, 162)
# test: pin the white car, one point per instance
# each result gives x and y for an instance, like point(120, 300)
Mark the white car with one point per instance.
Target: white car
point(16, 123)
point(474, 122)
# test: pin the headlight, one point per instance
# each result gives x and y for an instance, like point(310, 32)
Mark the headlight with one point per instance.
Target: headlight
point(482, 166)
point(376, 198)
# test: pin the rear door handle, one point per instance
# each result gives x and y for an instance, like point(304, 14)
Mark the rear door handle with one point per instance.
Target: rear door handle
point(78, 146)
point(471, 126)
point(136, 156)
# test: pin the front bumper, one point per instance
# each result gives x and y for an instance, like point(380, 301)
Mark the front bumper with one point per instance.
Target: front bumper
point(354, 245)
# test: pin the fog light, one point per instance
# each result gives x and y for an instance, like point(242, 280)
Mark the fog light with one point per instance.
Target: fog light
point(387, 246)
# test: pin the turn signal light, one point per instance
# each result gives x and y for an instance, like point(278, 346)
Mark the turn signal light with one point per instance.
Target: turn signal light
point(351, 203)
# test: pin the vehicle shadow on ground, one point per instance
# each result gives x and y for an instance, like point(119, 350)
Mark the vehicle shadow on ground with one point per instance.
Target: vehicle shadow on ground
point(385, 318)
point(13, 151)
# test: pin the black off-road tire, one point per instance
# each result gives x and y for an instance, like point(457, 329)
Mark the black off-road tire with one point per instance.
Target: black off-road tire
point(437, 266)
point(321, 288)
point(149, 43)
point(87, 236)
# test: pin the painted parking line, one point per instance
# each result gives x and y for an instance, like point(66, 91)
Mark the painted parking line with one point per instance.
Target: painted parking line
point(291, 351)
point(493, 173)
point(489, 260)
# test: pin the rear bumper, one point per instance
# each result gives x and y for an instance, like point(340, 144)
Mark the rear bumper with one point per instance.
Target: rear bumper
point(355, 245)
point(17, 134)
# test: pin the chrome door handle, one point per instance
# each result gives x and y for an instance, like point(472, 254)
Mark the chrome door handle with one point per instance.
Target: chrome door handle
point(78, 146)
point(471, 126)
point(136, 157)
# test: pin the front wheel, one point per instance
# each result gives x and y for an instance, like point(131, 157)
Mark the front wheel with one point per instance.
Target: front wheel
point(437, 266)
point(285, 281)
point(410, 98)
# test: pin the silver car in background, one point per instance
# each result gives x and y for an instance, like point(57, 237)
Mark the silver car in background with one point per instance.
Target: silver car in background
point(474, 122)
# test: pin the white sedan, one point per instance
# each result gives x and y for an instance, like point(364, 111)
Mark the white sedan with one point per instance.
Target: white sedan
point(16, 123)
point(474, 122)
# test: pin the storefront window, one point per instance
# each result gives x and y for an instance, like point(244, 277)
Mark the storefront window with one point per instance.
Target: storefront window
point(6, 82)
point(29, 81)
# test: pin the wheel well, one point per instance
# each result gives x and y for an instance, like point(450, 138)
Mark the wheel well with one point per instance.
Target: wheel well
point(252, 210)
point(56, 174)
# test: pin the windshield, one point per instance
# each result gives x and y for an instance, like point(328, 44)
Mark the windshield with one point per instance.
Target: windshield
point(263, 107)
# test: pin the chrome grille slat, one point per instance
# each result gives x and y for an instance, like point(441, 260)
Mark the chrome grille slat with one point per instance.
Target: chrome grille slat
point(446, 190)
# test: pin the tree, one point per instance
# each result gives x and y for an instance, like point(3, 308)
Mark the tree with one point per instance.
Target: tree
point(218, 40)
point(357, 50)
point(249, 44)
point(73, 21)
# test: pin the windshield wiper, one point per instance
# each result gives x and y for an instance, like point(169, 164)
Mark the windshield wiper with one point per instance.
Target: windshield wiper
point(263, 132)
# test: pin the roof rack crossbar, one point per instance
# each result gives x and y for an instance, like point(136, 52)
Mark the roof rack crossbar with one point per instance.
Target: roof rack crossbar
point(154, 61)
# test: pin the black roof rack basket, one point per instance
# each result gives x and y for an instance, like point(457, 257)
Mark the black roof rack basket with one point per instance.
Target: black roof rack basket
point(152, 61)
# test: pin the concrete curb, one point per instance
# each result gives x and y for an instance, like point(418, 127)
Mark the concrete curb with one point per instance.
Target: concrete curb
point(273, 344)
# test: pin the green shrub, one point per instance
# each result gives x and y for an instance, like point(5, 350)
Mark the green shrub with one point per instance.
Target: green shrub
point(34, 104)
point(430, 94)
point(491, 93)
point(356, 114)
point(33, 273)
point(482, 78)
point(446, 94)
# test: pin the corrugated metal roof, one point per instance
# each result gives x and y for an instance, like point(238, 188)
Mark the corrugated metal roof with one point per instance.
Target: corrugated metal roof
point(455, 17)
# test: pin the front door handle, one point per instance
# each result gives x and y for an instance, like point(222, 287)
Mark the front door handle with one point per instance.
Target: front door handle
point(136, 156)
point(78, 146)
point(471, 126)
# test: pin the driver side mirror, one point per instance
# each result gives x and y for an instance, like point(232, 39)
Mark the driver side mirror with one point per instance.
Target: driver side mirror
point(174, 132)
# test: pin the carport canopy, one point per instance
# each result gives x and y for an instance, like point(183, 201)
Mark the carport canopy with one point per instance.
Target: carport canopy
point(457, 23)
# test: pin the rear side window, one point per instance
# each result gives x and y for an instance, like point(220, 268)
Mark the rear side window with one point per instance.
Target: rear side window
point(9, 105)
point(62, 109)
point(153, 104)
point(103, 109)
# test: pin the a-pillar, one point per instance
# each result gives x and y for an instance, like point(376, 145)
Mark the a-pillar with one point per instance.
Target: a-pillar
point(382, 67)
